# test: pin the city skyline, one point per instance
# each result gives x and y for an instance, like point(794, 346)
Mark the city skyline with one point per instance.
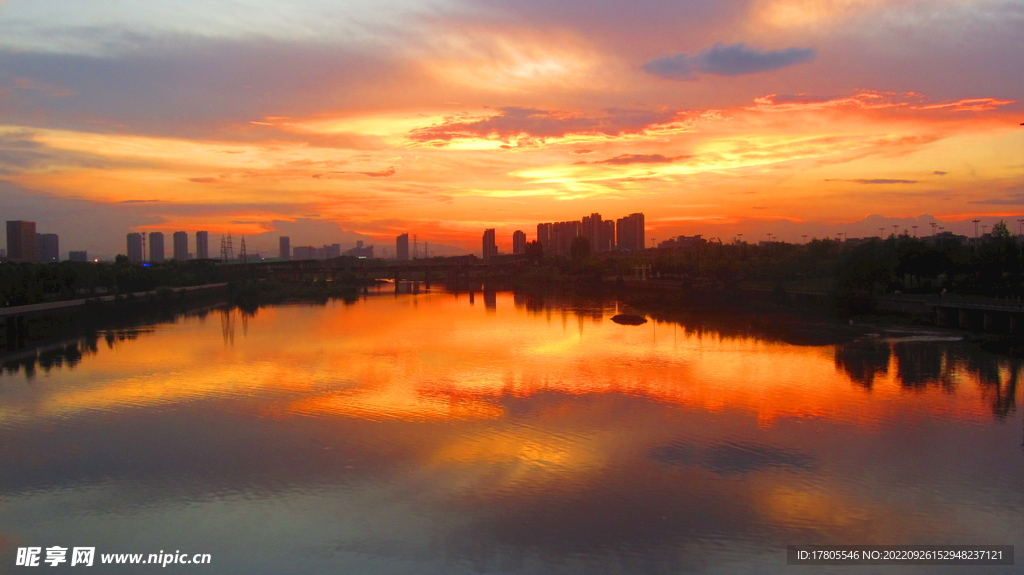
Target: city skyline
point(716, 118)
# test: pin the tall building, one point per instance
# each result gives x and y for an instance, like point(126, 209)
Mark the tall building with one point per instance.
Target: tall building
point(562, 234)
point(82, 256)
point(608, 236)
point(135, 247)
point(303, 252)
point(490, 248)
point(202, 245)
point(285, 248)
point(21, 241)
point(544, 238)
point(402, 247)
point(156, 246)
point(592, 229)
point(519, 242)
point(47, 248)
point(181, 246)
point(630, 232)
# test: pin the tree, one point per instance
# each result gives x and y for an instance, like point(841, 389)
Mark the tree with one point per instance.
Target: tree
point(579, 249)
point(1000, 231)
point(534, 252)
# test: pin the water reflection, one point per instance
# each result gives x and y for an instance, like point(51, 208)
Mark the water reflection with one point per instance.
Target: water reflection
point(421, 433)
point(940, 364)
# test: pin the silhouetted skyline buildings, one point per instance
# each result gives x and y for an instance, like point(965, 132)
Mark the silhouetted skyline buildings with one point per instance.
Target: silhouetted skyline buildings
point(21, 241)
point(402, 247)
point(490, 247)
point(202, 245)
point(624, 234)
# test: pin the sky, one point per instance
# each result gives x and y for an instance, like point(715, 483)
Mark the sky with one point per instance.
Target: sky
point(333, 121)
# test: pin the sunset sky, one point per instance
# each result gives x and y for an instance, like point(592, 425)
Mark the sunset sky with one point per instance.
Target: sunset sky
point(334, 121)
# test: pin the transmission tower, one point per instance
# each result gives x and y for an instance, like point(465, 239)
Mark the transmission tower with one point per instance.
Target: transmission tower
point(227, 253)
point(415, 248)
point(242, 256)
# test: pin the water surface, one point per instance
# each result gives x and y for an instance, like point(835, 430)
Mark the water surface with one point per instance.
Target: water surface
point(444, 433)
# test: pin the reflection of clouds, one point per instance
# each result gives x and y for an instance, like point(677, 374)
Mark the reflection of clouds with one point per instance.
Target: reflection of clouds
point(733, 457)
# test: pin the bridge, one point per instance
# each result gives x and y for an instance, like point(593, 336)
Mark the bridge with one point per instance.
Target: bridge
point(975, 313)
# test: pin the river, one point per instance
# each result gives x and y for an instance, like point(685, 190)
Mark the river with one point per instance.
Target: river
point(444, 433)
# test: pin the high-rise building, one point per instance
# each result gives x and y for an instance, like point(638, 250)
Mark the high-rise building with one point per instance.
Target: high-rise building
point(47, 248)
point(202, 245)
point(135, 247)
point(402, 247)
point(562, 234)
point(156, 246)
point(21, 241)
point(181, 246)
point(285, 245)
point(490, 248)
point(608, 236)
point(599, 233)
point(303, 252)
point(630, 232)
point(519, 242)
point(544, 238)
point(591, 229)
point(82, 256)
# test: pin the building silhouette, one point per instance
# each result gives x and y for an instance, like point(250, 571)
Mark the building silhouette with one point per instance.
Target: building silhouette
point(47, 248)
point(135, 247)
point(562, 234)
point(518, 242)
point(202, 245)
point(402, 247)
point(156, 246)
point(489, 247)
point(284, 251)
point(630, 232)
point(181, 246)
point(76, 256)
point(360, 251)
point(544, 238)
point(21, 241)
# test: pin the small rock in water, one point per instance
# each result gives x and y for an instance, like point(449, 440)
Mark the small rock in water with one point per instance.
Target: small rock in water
point(629, 319)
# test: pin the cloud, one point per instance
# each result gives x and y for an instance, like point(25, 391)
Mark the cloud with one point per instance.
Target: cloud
point(722, 60)
point(1012, 200)
point(640, 159)
point(207, 180)
point(527, 123)
point(379, 174)
point(969, 105)
point(939, 173)
point(189, 86)
point(874, 181)
point(20, 151)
